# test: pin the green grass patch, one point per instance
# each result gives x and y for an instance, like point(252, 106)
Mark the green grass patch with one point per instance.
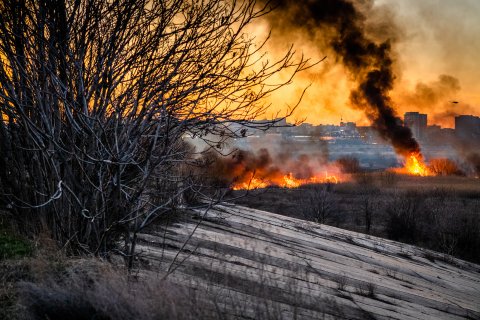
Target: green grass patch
point(13, 247)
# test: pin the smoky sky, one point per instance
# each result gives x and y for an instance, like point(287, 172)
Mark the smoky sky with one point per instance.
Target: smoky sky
point(438, 98)
point(341, 26)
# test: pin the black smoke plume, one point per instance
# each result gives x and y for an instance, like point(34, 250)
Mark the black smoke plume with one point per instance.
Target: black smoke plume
point(343, 25)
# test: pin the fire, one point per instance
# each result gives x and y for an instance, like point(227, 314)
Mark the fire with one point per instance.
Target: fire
point(253, 183)
point(414, 165)
point(286, 181)
point(290, 182)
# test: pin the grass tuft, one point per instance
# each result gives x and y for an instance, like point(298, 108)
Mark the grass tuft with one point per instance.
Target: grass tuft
point(13, 247)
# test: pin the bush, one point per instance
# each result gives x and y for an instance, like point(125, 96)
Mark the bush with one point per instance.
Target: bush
point(11, 247)
point(402, 216)
point(364, 178)
point(366, 289)
point(444, 167)
point(389, 178)
point(319, 204)
point(349, 164)
point(91, 290)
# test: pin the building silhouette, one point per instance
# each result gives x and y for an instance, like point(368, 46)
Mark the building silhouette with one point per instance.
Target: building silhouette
point(417, 122)
point(467, 127)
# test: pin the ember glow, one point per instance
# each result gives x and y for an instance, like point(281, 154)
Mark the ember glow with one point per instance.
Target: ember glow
point(286, 181)
point(415, 166)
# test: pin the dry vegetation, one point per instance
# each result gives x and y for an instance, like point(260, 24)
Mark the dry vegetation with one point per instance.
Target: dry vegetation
point(54, 287)
point(49, 285)
point(439, 213)
point(96, 100)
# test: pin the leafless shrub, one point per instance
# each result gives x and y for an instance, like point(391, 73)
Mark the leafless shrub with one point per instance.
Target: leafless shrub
point(429, 256)
point(366, 289)
point(368, 206)
point(349, 164)
point(97, 99)
point(403, 214)
point(364, 178)
point(98, 292)
point(389, 178)
point(318, 205)
point(444, 167)
point(342, 282)
point(451, 230)
point(392, 273)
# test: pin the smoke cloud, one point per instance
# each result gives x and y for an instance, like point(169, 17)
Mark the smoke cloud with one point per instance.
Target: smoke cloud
point(342, 27)
point(439, 99)
point(242, 166)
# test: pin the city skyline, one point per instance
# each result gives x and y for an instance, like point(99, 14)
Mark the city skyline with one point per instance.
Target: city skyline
point(345, 121)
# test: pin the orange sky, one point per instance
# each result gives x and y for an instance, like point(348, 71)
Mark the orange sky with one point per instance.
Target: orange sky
point(437, 54)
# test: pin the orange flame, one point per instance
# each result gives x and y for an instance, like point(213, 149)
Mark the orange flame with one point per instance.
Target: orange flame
point(254, 183)
point(286, 181)
point(414, 165)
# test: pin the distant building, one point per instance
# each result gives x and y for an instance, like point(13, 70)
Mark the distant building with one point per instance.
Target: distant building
point(417, 122)
point(438, 136)
point(351, 126)
point(467, 127)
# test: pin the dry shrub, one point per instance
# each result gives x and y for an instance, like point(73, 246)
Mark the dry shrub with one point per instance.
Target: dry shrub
point(364, 178)
point(444, 167)
point(403, 212)
point(349, 164)
point(366, 289)
point(342, 282)
point(319, 204)
point(93, 290)
point(389, 178)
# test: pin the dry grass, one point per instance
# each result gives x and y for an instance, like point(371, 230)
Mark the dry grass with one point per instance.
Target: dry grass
point(54, 287)
point(93, 290)
point(51, 286)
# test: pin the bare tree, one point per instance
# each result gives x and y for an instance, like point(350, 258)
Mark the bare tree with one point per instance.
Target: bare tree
point(96, 97)
point(319, 204)
point(403, 214)
point(368, 206)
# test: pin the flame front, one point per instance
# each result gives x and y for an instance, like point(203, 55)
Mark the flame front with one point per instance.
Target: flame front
point(414, 165)
point(253, 183)
point(286, 181)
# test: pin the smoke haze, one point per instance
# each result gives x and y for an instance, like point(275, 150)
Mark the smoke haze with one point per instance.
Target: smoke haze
point(428, 40)
point(341, 26)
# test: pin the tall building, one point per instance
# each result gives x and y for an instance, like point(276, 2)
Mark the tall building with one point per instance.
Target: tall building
point(417, 122)
point(467, 127)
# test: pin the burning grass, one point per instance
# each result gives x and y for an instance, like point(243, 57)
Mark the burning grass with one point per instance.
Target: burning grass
point(286, 181)
point(251, 179)
point(415, 165)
